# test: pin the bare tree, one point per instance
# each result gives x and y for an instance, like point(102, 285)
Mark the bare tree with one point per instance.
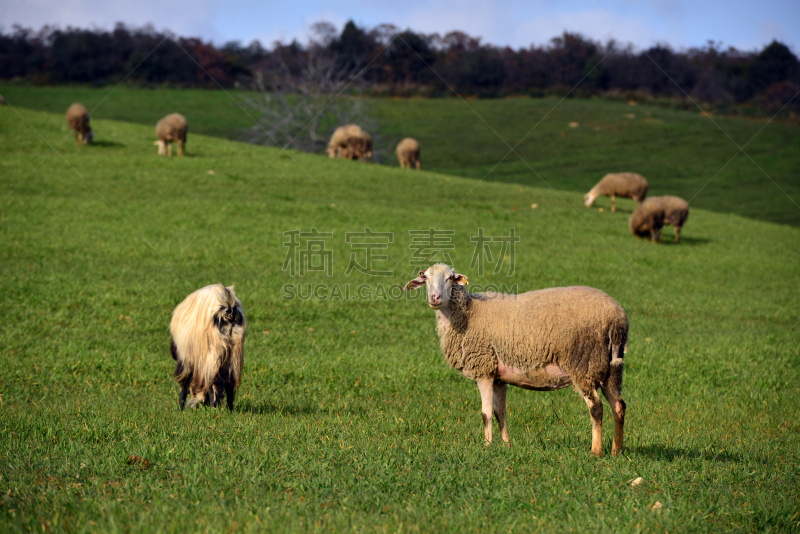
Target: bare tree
point(299, 101)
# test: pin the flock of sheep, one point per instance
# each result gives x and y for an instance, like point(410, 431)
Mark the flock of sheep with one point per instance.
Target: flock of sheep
point(170, 130)
point(347, 142)
point(652, 214)
point(351, 142)
point(541, 340)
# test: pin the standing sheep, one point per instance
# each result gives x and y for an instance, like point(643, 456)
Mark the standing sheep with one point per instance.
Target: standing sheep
point(618, 184)
point(208, 330)
point(647, 220)
point(171, 129)
point(408, 153)
point(676, 211)
point(542, 340)
point(78, 120)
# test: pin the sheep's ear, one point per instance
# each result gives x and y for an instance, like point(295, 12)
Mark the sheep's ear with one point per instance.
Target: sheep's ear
point(416, 282)
point(460, 279)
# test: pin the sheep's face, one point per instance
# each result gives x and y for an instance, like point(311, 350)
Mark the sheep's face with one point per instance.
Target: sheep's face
point(88, 136)
point(588, 199)
point(162, 147)
point(439, 278)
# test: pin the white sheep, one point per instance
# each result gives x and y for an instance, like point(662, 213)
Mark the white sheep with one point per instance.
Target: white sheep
point(542, 340)
point(171, 129)
point(408, 153)
point(618, 184)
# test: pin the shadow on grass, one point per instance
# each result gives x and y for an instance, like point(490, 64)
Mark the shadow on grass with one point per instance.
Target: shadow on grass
point(107, 144)
point(685, 240)
point(670, 454)
point(262, 408)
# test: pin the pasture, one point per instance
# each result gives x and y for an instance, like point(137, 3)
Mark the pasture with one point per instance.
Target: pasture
point(348, 418)
point(681, 153)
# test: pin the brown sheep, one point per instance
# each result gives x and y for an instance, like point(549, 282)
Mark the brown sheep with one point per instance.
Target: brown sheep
point(542, 340)
point(676, 211)
point(171, 129)
point(408, 153)
point(78, 120)
point(618, 184)
point(647, 220)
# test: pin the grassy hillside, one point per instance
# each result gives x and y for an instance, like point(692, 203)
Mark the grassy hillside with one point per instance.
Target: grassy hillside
point(348, 418)
point(681, 153)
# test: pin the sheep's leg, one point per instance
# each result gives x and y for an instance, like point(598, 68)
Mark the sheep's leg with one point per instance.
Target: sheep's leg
point(618, 409)
point(213, 399)
point(182, 396)
point(486, 387)
point(230, 392)
point(499, 390)
point(677, 233)
point(181, 151)
point(169, 149)
point(613, 206)
point(596, 413)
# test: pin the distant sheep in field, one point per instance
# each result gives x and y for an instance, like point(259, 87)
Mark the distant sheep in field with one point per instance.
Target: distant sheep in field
point(208, 330)
point(542, 340)
point(408, 153)
point(78, 120)
point(2, 101)
point(171, 129)
point(647, 220)
point(350, 142)
point(676, 211)
point(618, 184)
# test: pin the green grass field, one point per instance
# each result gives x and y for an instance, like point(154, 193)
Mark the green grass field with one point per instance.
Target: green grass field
point(681, 153)
point(348, 418)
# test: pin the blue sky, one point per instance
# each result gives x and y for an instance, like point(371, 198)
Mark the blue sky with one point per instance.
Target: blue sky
point(744, 24)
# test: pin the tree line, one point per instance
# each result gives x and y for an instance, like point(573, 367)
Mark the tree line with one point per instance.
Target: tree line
point(388, 60)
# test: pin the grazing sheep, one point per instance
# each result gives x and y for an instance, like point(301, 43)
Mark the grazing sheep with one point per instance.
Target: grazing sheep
point(542, 340)
point(208, 330)
point(350, 142)
point(408, 153)
point(172, 128)
point(78, 120)
point(618, 184)
point(676, 211)
point(647, 220)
